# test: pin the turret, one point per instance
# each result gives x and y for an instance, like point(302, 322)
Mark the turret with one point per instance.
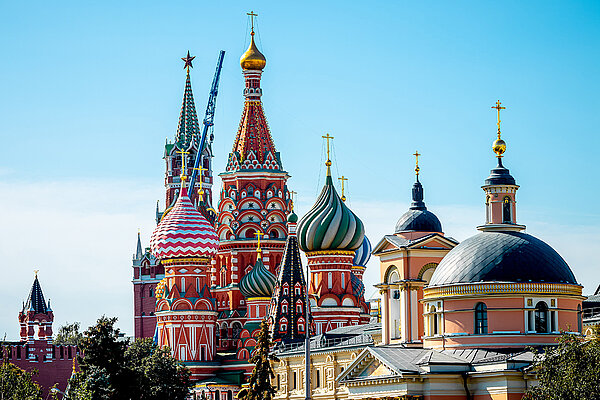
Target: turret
point(500, 191)
point(36, 315)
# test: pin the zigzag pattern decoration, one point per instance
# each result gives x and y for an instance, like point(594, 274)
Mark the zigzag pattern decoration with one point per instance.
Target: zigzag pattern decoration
point(184, 232)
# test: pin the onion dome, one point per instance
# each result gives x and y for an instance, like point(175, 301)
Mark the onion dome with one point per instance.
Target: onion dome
point(418, 218)
point(292, 218)
point(330, 224)
point(363, 253)
point(252, 58)
point(358, 287)
point(259, 282)
point(184, 232)
point(502, 257)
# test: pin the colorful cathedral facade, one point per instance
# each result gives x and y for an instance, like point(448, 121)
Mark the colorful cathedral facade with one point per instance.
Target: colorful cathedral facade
point(209, 277)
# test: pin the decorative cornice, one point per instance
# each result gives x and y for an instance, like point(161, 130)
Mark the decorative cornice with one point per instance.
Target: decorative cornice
point(487, 288)
point(330, 252)
point(185, 261)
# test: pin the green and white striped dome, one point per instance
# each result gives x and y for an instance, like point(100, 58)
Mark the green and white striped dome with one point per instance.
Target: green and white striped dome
point(330, 224)
point(259, 282)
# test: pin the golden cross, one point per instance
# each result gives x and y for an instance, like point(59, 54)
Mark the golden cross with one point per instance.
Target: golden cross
point(417, 169)
point(498, 107)
point(343, 179)
point(183, 160)
point(328, 163)
point(258, 235)
point(292, 195)
point(252, 15)
point(201, 190)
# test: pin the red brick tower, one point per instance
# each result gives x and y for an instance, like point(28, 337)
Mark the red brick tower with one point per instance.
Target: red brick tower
point(254, 198)
point(36, 317)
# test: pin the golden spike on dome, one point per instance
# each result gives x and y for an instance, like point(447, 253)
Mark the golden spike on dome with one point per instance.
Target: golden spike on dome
point(499, 145)
point(258, 249)
point(417, 169)
point(183, 176)
point(253, 58)
point(328, 162)
point(292, 195)
point(343, 179)
point(201, 190)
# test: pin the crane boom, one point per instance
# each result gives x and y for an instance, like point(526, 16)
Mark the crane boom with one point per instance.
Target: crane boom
point(209, 116)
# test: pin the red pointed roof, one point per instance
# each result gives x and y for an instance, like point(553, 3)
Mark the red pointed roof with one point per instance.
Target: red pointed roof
point(253, 133)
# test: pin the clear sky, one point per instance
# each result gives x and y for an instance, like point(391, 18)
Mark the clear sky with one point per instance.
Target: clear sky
point(90, 90)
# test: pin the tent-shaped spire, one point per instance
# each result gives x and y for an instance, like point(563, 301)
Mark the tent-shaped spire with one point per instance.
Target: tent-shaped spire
point(188, 130)
point(35, 302)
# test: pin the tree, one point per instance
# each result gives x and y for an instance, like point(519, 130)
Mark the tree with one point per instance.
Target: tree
point(158, 375)
point(69, 335)
point(570, 370)
point(259, 387)
point(17, 384)
point(112, 370)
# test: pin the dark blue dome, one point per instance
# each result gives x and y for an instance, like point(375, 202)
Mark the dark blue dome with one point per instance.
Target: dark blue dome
point(500, 176)
point(502, 257)
point(419, 221)
point(417, 218)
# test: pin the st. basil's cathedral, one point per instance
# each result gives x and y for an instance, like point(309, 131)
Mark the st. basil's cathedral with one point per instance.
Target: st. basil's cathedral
point(455, 319)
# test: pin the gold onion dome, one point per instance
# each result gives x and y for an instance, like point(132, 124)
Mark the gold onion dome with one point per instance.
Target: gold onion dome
point(499, 147)
point(252, 58)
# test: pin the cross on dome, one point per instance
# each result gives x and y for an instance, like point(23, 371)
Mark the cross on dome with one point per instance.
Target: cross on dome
point(417, 169)
point(499, 145)
point(343, 179)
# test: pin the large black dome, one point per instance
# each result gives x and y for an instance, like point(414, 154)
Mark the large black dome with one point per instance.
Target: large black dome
point(502, 257)
point(419, 221)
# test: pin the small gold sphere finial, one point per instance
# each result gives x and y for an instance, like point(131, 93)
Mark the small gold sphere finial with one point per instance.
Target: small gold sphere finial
point(499, 147)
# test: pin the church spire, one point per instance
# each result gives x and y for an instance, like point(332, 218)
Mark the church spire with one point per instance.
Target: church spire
point(253, 142)
point(417, 189)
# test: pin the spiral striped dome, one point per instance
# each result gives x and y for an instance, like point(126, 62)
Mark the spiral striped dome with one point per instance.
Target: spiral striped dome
point(184, 232)
point(358, 287)
point(363, 253)
point(259, 282)
point(330, 224)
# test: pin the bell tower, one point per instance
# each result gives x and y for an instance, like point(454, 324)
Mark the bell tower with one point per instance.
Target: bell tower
point(500, 191)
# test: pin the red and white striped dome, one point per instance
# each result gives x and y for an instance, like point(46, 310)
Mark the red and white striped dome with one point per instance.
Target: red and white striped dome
point(184, 232)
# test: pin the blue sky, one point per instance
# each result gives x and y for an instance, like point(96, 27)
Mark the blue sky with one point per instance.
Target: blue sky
point(90, 91)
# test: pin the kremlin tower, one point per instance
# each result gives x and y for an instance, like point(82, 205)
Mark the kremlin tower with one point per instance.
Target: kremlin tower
point(254, 201)
point(330, 234)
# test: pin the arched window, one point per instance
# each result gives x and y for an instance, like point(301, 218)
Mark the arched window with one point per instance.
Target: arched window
point(481, 321)
point(506, 206)
point(250, 233)
point(274, 234)
point(183, 284)
point(434, 321)
point(329, 280)
point(541, 317)
point(237, 329)
point(343, 280)
point(579, 324)
point(488, 218)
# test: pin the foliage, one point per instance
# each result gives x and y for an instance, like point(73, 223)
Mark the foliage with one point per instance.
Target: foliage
point(259, 387)
point(158, 375)
point(69, 335)
point(109, 370)
point(570, 370)
point(17, 384)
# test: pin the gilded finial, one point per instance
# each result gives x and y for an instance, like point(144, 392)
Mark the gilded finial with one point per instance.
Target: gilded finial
point(201, 190)
point(183, 176)
point(252, 59)
point(252, 15)
point(343, 179)
point(258, 249)
point(292, 196)
point(35, 271)
point(417, 169)
point(499, 145)
point(188, 61)
point(328, 162)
